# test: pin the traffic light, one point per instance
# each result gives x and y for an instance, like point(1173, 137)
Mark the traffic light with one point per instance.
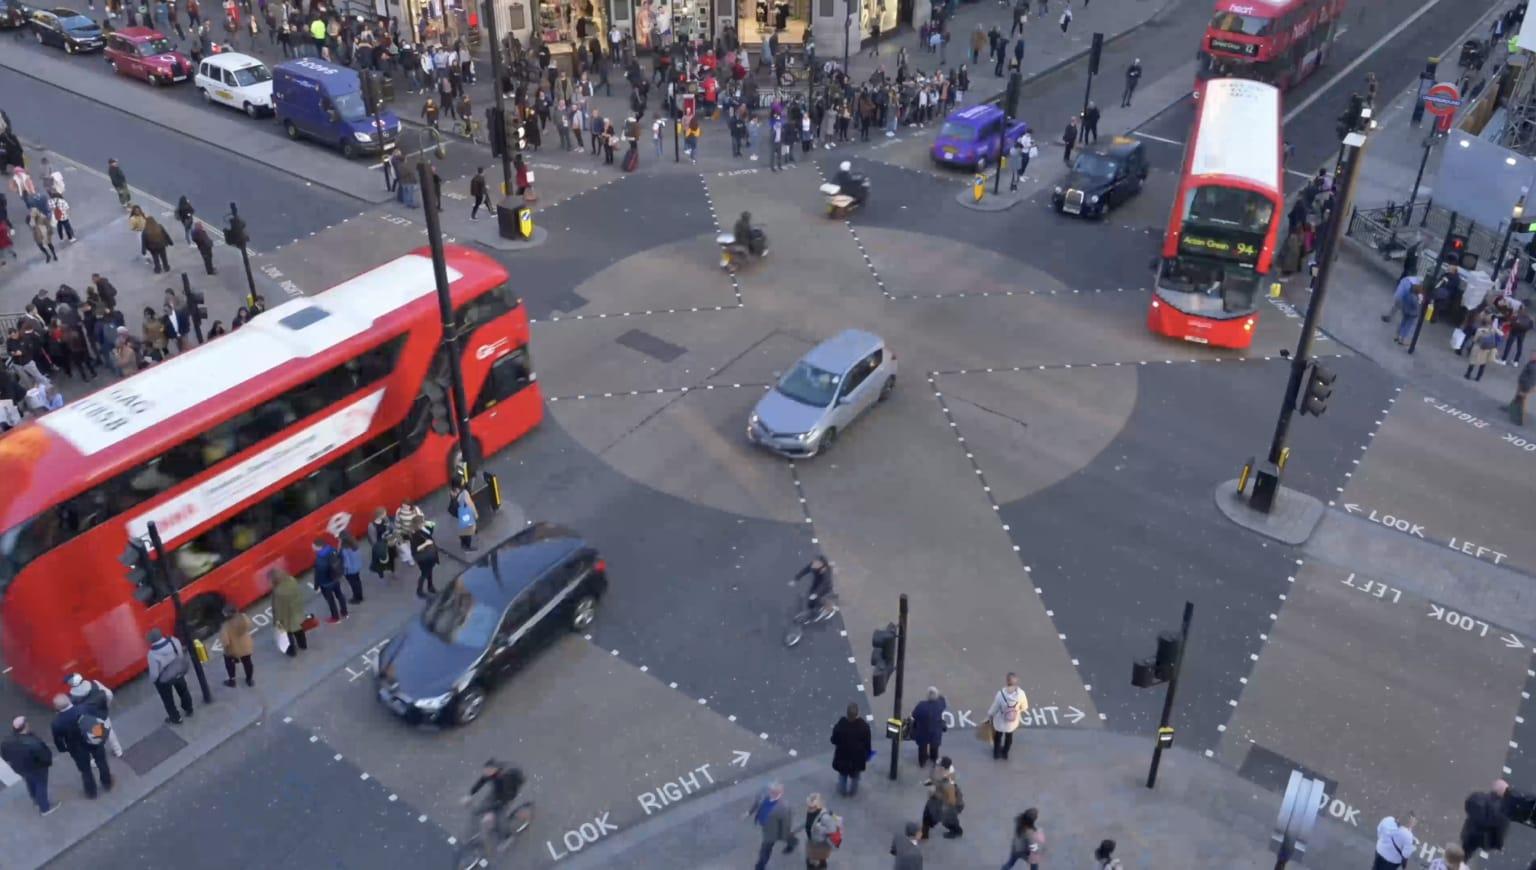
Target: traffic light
point(140, 573)
point(373, 91)
point(1094, 53)
point(234, 234)
point(1455, 244)
point(498, 131)
point(197, 304)
point(1314, 400)
point(883, 659)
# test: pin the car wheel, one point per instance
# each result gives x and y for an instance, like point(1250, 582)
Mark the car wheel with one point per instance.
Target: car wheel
point(584, 614)
point(207, 97)
point(204, 615)
point(154, 79)
point(69, 48)
point(292, 131)
point(887, 388)
point(348, 150)
point(112, 65)
point(252, 111)
point(38, 36)
point(827, 440)
point(469, 705)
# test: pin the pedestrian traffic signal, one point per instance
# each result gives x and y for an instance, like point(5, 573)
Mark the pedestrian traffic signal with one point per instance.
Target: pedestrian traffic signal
point(883, 659)
point(1319, 386)
point(1452, 248)
point(1094, 53)
point(135, 558)
point(196, 303)
point(234, 234)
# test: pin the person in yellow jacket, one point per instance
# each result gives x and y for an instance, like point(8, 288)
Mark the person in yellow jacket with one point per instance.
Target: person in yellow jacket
point(317, 32)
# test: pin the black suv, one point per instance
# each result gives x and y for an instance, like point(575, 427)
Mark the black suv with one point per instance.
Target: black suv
point(1103, 176)
point(488, 622)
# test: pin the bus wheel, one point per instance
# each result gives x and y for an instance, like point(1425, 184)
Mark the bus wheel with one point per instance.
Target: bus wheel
point(204, 614)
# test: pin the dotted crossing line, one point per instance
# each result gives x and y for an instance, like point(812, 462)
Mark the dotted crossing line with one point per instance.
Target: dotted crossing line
point(1107, 365)
point(709, 200)
point(649, 312)
point(874, 273)
point(981, 477)
point(658, 391)
point(967, 294)
point(1370, 438)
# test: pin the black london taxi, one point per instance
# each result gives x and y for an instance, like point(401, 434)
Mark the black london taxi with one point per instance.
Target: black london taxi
point(1104, 175)
point(488, 622)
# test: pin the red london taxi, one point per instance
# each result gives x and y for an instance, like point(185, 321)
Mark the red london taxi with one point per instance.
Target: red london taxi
point(146, 54)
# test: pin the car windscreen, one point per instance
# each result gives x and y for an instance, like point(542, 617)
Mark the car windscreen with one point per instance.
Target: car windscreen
point(1095, 165)
point(75, 23)
point(1250, 25)
point(456, 617)
point(958, 132)
point(810, 385)
point(156, 46)
point(350, 106)
point(252, 75)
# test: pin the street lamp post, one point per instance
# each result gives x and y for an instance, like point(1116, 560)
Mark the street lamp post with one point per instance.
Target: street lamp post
point(450, 347)
point(1429, 144)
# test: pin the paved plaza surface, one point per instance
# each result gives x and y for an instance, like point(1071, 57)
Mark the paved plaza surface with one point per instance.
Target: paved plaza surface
point(1040, 486)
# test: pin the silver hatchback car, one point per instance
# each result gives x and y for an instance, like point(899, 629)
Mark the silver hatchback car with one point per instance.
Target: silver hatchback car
point(826, 390)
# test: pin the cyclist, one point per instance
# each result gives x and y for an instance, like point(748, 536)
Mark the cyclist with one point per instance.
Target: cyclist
point(819, 598)
point(501, 784)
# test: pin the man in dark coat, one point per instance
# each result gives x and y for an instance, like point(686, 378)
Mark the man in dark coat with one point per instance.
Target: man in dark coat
point(30, 758)
point(154, 241)
point(852, 744)
point(1487, 819)
point(928, 727)
point(69, 738)
point(204, 244)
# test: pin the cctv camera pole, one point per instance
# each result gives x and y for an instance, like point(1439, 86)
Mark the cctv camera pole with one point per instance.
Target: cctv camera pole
point(1354, 148)
point(450, 347)
point(238, 225)
point(1173, 687)
point(901, 671)
point(162, 571)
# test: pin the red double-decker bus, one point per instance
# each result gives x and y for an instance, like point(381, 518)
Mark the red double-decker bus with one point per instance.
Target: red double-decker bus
point(1275, 41)
point(1221, 231)
point(242, 451)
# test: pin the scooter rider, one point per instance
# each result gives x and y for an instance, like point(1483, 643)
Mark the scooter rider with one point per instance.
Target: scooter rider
point(849, 184)
point(754, 239)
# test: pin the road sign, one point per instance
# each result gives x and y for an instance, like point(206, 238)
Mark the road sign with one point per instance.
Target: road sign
point(1442, 100)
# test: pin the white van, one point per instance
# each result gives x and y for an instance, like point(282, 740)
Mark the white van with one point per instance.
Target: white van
point(237, 80)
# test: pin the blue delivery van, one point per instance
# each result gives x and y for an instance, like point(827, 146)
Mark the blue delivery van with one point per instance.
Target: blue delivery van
point(318, 99)
point(970, 136)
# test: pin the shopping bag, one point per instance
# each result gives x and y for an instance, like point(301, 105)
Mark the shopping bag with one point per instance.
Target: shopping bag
point(1458, 338)
point(281, 638)
point(984, 731)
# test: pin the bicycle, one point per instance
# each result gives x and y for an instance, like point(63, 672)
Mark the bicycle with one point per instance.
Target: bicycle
point(803, 616)
point(473, 851)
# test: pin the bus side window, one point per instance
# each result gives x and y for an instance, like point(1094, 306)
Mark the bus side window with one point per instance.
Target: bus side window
point(484, 308)
point(508, 375)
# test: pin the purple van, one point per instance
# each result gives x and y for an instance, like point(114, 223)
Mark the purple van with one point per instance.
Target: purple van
point(970, 136)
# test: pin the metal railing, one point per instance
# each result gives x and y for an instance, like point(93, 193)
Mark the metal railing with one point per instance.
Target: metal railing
point(1391, 230)
point(8, 321)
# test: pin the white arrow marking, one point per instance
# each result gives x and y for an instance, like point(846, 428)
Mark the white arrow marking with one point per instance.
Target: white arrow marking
point(1512, 642)
point(1075, 715)
point(1352, 508)
point(740, 757)
point(1437, 611)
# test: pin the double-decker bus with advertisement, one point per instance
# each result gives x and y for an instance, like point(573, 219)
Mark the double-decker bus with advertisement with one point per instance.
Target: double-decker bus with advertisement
point(244, 450)
point(1222, 229)
point(1276, 41)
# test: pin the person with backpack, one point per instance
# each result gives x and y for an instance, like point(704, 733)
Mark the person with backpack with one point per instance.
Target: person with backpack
point(352, 565)
point(945, 802)
point(1005, 715)
point(97, 697)
point(424, 552)
point(328, 571)
point(168, 666)
point(31, 758)
point(771, 813)
point(464, 513)
point(1514, 344)
point(235, 638)
point(823, 833)
point(81, 734)
point(381, 535)
point(1485, 346)
point(1027, 840)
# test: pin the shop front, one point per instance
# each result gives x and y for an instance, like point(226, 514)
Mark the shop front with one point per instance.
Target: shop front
point(560, 24)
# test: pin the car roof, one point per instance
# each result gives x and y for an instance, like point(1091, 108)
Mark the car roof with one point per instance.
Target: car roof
point(231, 60)
point(513, 566)
point(1119, 146)
point(138, 33)
point(841, 351)
point(977, 113)
point(63, 12)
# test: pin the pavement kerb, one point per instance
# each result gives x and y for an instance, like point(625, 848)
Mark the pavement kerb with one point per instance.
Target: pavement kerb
point(11, 61)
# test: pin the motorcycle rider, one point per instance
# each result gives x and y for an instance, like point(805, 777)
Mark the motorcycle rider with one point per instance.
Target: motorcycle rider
point(819, 597)
point(754, 239)
point(502, 783)
point(849, 184)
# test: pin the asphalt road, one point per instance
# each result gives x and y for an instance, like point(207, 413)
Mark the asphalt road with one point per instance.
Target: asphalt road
point(278, 207)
